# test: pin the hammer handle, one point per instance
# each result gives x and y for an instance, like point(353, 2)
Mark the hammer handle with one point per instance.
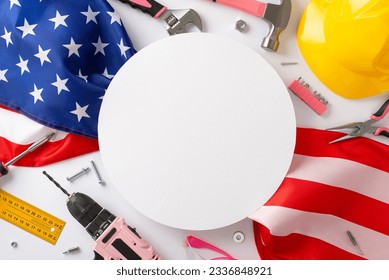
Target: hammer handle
point(253, 7)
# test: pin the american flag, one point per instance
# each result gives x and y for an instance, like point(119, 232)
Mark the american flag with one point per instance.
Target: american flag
point(57, 58)
point(329, 190)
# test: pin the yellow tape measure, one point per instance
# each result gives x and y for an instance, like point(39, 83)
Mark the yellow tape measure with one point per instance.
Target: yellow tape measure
point(30, 218)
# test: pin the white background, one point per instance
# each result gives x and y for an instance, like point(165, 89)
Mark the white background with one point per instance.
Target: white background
point(29, 184)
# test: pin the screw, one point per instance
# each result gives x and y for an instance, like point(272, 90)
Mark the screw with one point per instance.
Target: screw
point(14, 244)
point(83, 171)
point(238, 237)
point(96, 172)
point(241, 25)
point(70, 250)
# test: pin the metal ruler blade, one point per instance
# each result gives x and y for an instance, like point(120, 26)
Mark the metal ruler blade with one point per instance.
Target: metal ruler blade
point(30, 218)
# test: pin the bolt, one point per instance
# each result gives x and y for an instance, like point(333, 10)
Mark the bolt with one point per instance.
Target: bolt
point(14, 244)
point(94, 168)
point(78, 174)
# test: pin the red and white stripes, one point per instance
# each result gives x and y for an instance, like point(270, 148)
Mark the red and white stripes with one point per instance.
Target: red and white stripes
point(17, 133)
point(329, 190)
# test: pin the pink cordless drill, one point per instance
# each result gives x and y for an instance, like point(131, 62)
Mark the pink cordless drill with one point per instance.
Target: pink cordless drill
point(115, 240)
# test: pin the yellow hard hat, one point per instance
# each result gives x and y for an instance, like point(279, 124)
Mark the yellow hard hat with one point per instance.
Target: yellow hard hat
point(346, 44)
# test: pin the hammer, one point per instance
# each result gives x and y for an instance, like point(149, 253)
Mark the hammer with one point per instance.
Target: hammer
point(276, 15)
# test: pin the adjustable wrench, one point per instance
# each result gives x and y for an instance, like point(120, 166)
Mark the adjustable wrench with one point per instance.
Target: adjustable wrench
point(174, 21)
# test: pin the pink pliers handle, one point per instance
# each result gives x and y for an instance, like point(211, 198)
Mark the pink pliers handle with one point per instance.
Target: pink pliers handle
point(253, 7)
point(151, 7)
point(197, 243)
point(379, 115)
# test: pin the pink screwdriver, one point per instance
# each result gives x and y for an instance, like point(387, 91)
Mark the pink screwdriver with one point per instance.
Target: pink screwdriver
point(4, 166)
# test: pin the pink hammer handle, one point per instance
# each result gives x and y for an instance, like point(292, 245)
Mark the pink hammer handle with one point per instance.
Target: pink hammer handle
point(253, 7)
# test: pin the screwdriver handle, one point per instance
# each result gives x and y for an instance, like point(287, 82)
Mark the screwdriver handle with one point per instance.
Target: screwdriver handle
point(3, 169)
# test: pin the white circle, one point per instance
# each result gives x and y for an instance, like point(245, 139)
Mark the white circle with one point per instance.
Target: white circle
point(197, 131)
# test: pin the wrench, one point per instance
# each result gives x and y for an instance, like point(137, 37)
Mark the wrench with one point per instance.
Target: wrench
point(174, 21)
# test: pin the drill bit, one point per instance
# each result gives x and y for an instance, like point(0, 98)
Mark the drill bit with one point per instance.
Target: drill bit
point(56, 183)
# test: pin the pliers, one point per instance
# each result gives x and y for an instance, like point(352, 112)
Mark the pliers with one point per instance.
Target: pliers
point(366, 127)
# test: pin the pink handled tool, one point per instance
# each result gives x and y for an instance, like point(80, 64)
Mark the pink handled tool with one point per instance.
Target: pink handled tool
point(121, 242)
point(276, 15)
point(253, 7)
point(366, 127)
point(197, 243)
point(175, 21)
point(114, 239)
point(313, 99)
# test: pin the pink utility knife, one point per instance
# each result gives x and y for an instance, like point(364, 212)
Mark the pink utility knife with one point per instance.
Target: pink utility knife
point(276, 15)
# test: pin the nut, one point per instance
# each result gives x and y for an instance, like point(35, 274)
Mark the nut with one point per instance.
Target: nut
point(238, 237)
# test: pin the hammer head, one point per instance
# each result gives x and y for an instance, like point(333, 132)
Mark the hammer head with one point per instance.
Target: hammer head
point(278, 18)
